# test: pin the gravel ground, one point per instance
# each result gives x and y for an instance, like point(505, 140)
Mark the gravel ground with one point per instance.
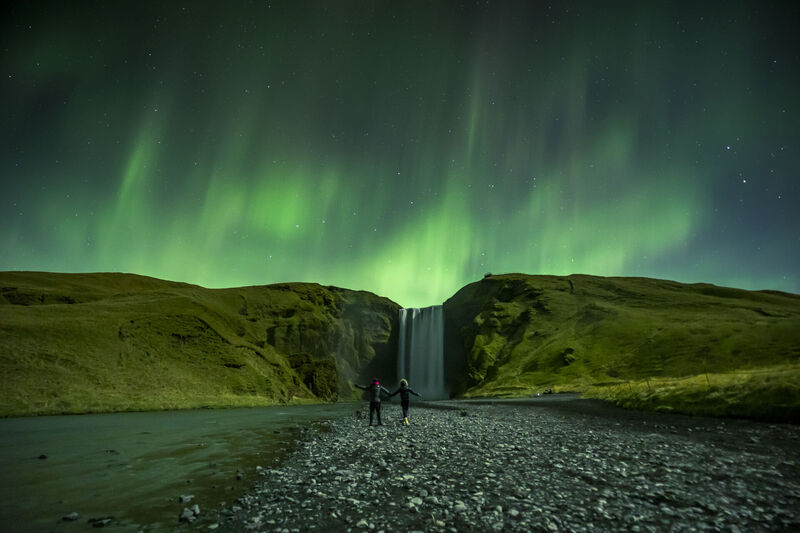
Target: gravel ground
point(505, 467)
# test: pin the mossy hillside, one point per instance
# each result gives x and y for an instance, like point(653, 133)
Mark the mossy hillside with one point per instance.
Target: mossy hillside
point(100, 342)
point(516, 334)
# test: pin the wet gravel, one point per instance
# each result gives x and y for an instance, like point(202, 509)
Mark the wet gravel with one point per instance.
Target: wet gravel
point(504, 467)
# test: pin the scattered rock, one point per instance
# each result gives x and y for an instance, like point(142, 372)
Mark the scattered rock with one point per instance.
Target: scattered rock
point(518, 469)
point(185, 498)
point(71, 517)
point(187, 515)
point(101, 522)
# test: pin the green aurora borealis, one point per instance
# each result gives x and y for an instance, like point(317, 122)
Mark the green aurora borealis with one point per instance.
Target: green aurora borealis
point(404, 148)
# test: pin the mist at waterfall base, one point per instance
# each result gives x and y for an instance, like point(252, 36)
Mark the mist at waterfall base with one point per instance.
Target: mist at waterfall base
point(420, 351)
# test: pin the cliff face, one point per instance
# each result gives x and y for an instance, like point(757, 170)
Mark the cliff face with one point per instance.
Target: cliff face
point(325, 331)
point(511, 333)
point(99, 342)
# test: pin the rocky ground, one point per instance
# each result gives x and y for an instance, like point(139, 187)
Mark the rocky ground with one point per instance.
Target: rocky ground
point(468, 467)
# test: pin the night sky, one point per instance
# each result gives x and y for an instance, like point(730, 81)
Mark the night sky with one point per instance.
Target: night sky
point(404, 148)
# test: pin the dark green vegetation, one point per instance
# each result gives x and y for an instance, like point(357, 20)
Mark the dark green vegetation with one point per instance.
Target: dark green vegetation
point(99, 342)
point(641, 342)
point(74, 343)
point(543, 330)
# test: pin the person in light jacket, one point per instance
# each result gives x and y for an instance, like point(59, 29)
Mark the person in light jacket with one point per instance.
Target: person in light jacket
point(404, 391)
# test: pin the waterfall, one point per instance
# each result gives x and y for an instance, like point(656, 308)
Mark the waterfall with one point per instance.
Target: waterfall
point(420, 351)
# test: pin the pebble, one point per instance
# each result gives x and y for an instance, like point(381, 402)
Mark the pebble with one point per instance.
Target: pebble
point(515, 468)
point(189, 514)
point(101, 522)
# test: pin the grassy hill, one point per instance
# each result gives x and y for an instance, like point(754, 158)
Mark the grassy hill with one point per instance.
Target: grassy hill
point(641, 342)
point(73, 343)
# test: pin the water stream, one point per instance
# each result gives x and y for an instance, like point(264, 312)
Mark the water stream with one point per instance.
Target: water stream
point(420, 351)
point(134, 466)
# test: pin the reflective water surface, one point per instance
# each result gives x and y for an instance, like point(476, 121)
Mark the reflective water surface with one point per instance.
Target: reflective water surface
point(135, 466)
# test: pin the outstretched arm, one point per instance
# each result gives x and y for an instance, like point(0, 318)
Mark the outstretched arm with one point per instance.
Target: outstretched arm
point(414, 393)
point(388, 394)
point(395, 392)
point(360, 386)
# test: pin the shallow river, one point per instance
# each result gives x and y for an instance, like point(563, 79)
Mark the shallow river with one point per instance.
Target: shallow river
point(135, 466)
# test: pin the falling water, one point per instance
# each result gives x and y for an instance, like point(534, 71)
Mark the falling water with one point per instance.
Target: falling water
point(420, 351)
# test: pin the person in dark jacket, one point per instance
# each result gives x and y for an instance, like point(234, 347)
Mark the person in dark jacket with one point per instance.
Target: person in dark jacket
point(375, 390)
point(404, 391)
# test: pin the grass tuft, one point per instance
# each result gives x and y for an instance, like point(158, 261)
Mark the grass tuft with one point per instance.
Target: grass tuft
point(771, 393)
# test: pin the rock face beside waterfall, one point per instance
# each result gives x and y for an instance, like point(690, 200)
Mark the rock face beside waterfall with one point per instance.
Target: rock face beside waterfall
point(514, 333)
point(101, 342)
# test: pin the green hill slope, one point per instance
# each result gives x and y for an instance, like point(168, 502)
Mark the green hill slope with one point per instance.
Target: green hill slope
point(101, 342)
point(98, 342)
point(516, 334)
